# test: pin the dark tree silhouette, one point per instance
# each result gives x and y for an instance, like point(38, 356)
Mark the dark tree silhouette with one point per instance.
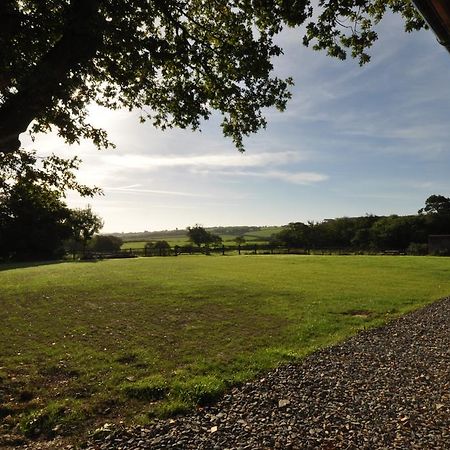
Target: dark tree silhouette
point(174, 60)
point(34, 218)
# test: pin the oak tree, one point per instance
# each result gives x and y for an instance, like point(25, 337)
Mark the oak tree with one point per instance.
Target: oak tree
point(436, 204)
point(174, 60)
point(199, 235)
point(84, 223)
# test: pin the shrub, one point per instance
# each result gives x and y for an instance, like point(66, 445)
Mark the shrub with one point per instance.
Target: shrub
point(107, 244)
point(161, 248)
point(442, 252)
point(417, 249)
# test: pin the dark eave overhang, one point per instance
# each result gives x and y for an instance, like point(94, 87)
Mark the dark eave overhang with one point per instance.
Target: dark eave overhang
point(437, 15)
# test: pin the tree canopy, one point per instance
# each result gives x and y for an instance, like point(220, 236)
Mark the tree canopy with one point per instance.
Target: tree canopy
point(174, 60)
point(84, 223)
point(34, 218)
point(436, 204)
point(198, 236)
point(33, 223)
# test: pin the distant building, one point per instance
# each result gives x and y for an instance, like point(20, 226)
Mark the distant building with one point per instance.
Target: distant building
point(438, 244)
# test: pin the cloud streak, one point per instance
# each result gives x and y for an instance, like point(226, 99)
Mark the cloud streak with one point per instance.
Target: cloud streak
point(149, 162)
point(301, 178)
point(137, 189)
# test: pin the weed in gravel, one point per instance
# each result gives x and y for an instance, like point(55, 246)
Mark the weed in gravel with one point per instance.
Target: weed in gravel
point(55, 418)
point(170, 408)
point(150, 388)
point(198, 390)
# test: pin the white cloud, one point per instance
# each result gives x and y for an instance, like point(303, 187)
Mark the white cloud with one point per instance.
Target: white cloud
point(138, 189)
point(298, 177)
point(149, 162)
point(302, 178)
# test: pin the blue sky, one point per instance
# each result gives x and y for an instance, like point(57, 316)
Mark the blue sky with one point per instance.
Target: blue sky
point(352, 141)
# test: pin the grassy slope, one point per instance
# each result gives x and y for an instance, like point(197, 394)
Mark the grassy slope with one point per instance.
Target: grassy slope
point(113, 337)
point(263, 234)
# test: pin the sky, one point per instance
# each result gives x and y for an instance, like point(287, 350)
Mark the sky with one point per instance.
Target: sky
point(352, 141)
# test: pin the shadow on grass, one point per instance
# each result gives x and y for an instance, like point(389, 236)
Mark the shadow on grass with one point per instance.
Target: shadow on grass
point(25, 264)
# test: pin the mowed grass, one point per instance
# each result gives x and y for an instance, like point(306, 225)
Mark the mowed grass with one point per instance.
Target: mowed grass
point(85, 343)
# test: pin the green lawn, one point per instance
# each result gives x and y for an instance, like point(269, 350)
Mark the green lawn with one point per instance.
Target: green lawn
point(128, 339)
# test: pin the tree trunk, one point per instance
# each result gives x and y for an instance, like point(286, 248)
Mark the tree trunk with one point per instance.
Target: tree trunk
point(41, 87)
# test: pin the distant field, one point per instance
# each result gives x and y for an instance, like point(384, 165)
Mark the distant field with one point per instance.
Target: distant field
point(182, 239)
point(264, 233)
point(129, 339)
point(177, 240)
point(133, 245)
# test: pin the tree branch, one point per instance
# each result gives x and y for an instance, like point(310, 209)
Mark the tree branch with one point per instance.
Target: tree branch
point(78, 44)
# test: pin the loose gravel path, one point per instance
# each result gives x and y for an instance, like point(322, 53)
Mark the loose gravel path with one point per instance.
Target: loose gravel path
point(384, 388)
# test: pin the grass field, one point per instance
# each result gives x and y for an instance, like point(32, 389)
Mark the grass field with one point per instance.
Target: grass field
point(86, 343)
point(263, 234)
point(177, 240)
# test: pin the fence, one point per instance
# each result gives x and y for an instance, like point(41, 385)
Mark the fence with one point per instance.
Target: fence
point(248, 249)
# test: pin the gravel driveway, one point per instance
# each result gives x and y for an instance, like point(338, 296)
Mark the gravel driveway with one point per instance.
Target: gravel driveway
point(384, 388)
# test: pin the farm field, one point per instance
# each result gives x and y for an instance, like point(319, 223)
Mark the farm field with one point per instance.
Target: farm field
point(87, 343)
point(172, 240)
point(258, 236)
point(226, 239)
point(263, 234)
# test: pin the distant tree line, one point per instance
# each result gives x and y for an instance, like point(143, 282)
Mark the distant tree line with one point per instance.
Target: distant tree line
point(148, 235)
point(233, 230)
point(372, 233)
point(37, 224)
